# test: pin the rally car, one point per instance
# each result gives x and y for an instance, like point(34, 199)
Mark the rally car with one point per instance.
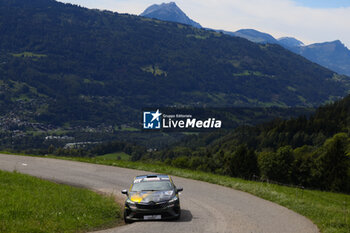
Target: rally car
point(152, 197)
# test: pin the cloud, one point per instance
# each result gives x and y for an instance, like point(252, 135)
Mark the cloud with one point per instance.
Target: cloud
point(277, 17)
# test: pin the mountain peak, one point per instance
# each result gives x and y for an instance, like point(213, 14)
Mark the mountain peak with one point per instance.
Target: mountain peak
point(338, 42)
point(171, 3)
point(255, 36)
point(330, 44)
point(290, 42)
point(169, 12)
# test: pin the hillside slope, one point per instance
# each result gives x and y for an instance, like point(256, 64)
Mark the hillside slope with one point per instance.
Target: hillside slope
point(65, 65)
point(334, 55)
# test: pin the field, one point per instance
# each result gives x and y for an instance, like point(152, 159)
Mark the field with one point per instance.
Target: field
point(29, 204)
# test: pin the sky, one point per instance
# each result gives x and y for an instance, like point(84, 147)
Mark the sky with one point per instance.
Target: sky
point(311, 21)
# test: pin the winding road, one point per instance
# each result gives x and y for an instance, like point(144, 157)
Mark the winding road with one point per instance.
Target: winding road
point(206, 208)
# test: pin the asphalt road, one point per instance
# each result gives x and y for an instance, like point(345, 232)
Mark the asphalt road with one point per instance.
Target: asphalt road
point(205, 207)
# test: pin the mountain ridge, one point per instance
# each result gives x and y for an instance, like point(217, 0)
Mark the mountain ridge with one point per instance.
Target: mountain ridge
point(331, 54)
point(290, 42)
point(255, 36)
point(322, 56)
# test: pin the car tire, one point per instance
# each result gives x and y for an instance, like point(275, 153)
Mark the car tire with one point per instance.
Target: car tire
point(127, 221)
point(178, 217)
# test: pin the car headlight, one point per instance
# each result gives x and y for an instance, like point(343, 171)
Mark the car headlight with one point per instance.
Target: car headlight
point(175, 198)
point(130, 202)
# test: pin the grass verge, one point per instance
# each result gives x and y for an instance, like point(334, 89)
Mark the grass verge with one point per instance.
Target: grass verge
point(29, 204)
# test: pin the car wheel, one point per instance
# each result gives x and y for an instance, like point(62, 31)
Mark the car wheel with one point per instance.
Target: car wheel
point(178, 217)
point(127, 221)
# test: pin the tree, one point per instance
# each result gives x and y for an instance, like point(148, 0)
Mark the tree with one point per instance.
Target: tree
point(276, 166)
point(244, 162)
point(51, 149)
point(334, 163)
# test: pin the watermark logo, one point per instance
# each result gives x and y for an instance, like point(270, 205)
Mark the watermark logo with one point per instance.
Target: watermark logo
point(179, 119)
point(152, 120)
point(192, 119)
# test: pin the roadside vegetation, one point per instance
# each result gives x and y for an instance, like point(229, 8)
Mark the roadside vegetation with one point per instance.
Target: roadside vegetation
point(115, 156)
point(29, 204)
point(329, 211)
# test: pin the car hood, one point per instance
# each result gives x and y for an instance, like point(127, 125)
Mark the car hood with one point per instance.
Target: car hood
point(151, 196)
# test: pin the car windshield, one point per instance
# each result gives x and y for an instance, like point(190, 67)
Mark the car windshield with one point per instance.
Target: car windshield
point(152, 186)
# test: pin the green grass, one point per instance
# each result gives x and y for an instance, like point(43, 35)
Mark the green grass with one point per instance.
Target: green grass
point(155, 70)
point(115, 156)
point(29, 54)
point(29, 204)
point(199, 37)
point(291, 88)
point(329, 211)
point(254, 73)
point(126, 129)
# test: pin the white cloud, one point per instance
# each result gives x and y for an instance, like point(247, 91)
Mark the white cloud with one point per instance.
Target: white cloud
point(277, 17)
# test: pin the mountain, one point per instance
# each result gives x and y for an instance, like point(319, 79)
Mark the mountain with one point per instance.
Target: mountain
point(290, 42)
point(66, 66)
point(333, 55)
point(255, 36)
point(169, 12)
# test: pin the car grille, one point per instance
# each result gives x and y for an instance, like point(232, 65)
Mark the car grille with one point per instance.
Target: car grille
point(152, 206)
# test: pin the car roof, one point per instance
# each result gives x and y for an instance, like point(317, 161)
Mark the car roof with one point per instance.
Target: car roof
point(153, 177)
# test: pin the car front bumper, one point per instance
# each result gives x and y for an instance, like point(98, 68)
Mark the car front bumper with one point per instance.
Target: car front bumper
point(163, 210)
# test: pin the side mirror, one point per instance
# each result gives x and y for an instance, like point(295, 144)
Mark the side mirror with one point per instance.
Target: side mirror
point(124, 191)
point(179, 190)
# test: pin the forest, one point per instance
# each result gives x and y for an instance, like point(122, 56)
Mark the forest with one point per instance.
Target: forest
point(310, 151)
